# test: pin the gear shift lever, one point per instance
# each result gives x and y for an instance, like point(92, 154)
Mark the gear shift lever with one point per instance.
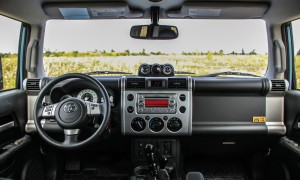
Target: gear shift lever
point(150, 159)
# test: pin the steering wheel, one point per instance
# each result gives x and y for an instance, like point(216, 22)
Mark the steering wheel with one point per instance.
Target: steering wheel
point(71, 114)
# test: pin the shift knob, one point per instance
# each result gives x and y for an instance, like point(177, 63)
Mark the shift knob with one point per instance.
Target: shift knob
point(150, 159)
point(162, 160)
point(148, 148)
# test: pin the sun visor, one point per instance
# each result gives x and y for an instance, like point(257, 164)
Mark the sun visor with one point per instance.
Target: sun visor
point(215, 10)
point(90, 11)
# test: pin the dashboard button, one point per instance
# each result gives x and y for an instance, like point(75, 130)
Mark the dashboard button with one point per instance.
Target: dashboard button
point(182, 97)
point(182, 109)
point(130, 97)
point(147, 118)
point(130, 109)
point(165, 118)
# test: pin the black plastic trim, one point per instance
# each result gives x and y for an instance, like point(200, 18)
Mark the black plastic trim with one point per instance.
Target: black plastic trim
point(231, 85)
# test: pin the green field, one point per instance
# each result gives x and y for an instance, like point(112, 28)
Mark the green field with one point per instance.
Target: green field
point(9, 70)
point(297, 66)
point(198, 64)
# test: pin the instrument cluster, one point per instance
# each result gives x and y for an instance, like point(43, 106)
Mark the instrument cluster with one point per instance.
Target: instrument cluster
point(89, 95)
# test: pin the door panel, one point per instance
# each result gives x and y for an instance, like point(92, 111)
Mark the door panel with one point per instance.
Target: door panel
point(285, 155)
point(12, 125)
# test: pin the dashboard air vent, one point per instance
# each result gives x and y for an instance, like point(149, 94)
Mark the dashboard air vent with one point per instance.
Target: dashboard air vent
point(135, 83)
point(32, 85)
point(278, 85)
point(177, 83)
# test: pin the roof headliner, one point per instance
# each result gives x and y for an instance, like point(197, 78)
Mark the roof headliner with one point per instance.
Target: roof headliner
point(31, 11)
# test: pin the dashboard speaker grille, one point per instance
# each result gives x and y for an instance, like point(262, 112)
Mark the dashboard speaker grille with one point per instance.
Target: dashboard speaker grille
point(177, 83)
point(278, 85)
point(33, 84)
point(133, 83)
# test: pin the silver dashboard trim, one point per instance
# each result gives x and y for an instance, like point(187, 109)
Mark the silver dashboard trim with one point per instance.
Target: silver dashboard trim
point(30, 126)
point(126, 117)
point(275, 113)
point(7, 126)
point(70, 132)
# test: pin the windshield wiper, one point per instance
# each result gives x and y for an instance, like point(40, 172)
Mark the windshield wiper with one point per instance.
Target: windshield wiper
point(230, 73)
point(183, 72)
point(106, 72)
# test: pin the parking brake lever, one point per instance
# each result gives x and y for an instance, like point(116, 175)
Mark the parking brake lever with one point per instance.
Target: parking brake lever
point(150, 160)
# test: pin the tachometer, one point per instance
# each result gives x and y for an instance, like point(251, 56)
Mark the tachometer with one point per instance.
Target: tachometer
point(88, 95)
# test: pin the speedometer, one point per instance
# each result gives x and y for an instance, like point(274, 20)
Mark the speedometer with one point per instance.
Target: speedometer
point(88, 95)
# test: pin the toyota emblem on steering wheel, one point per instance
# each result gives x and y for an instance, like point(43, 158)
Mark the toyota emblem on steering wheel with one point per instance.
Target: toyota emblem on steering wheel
point(70, 107)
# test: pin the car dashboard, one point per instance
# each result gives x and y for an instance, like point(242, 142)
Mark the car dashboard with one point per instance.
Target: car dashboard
point(157, 103)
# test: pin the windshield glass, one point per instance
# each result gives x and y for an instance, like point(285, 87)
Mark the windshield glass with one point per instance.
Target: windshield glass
point(203, 46)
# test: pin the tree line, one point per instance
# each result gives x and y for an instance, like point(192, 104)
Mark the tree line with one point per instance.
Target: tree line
point(96, 53)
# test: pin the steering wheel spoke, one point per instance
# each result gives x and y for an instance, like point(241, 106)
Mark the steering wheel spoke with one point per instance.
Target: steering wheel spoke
point(71, 136)
point(95, 109)
point(49, 111)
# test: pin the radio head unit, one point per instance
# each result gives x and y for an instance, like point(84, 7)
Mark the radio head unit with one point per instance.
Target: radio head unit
point(156, 106)
point(153, 103)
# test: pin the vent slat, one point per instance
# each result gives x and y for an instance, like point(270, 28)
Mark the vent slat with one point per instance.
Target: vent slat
point(177, 83)
point(135, 83)
point(33, 85)
point(278, 85)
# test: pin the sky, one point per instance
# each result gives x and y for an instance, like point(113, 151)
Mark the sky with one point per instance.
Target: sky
point(9, 35)
point(194, 35)
point(296, 35)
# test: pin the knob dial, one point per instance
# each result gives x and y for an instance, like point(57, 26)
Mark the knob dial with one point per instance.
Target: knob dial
point(145, 69)
point(138, 124)
point(174, 124)
point(156, 124)
point(156, 69)
point(167, 69)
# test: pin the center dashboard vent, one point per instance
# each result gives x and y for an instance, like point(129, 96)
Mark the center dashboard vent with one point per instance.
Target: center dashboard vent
point(278, 85)
point(32, 84)
point(135, 83)
point(177, 83)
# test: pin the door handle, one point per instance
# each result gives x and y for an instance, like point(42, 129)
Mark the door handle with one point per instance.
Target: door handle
point(7, 126)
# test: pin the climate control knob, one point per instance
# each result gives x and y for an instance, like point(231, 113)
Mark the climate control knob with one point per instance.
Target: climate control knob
point(174, 124)
point(138, 124)
point(156, 124)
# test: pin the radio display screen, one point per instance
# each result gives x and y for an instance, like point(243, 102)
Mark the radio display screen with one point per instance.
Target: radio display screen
point(156, 102)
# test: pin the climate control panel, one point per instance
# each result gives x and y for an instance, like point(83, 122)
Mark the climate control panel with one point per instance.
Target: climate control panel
point(163, 110)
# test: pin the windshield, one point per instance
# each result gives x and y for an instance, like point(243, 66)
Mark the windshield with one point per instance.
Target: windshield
point(203, 46)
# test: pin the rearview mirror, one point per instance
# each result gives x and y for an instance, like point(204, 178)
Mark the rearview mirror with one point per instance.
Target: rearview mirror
point(157, 32)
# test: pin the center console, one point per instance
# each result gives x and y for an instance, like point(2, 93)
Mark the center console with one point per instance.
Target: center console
point(156, 106)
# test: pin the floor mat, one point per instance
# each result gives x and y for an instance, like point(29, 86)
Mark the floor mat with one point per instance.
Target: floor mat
point(222, 168)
